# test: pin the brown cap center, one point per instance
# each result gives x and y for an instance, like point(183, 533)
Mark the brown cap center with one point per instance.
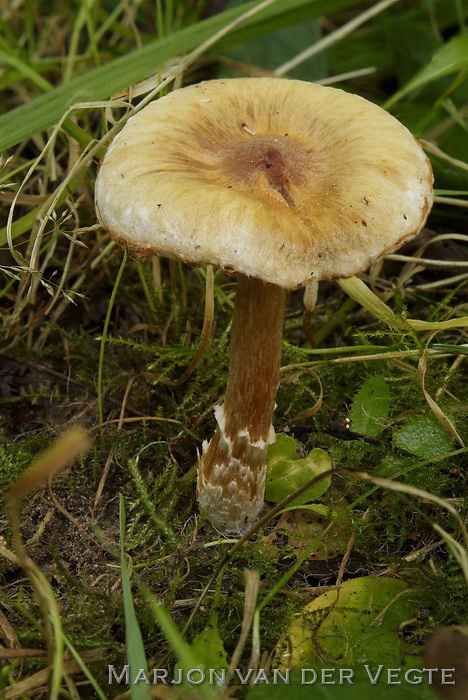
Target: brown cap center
point(267, 166)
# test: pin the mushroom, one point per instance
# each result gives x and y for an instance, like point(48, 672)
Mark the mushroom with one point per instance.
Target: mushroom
point(284, 182)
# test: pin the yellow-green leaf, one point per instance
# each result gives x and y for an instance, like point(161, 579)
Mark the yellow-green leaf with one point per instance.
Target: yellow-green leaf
point(358, 625)
point(370, 407)
point(286, 473)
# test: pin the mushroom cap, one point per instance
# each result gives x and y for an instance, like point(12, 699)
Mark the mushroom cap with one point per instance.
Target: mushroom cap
point(279, 179)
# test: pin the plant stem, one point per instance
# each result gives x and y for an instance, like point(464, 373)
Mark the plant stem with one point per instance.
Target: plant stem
point(104, 337)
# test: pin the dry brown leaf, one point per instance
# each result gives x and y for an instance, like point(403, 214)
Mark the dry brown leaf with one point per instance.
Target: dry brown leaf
point(301, 526)
point(8, 634)
point(40, 679)
point(448, 648)
point(64, 451)
point(435, 408)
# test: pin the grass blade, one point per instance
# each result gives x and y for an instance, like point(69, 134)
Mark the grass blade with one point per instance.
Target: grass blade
point(450, 58)
point(104, 81)
point(134, 642)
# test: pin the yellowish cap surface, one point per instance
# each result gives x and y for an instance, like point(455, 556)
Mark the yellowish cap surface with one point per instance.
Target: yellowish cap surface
point(279, 179)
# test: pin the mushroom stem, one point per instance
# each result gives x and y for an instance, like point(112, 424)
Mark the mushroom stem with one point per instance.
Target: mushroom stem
point(231, 473)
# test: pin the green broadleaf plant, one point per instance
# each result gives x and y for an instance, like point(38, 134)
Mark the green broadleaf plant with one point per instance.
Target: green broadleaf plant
point(286, 473)
point(370, 407)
